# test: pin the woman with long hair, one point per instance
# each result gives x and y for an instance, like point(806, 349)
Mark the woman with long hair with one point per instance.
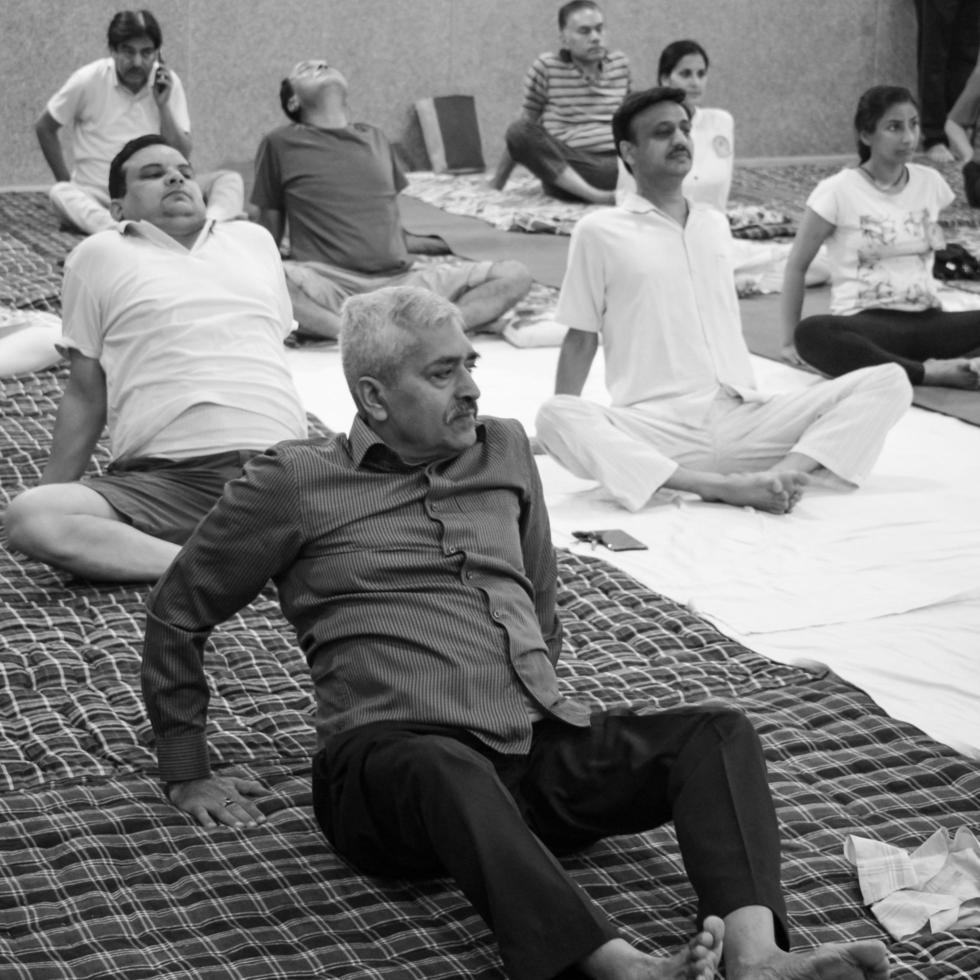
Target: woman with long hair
point(879, 222)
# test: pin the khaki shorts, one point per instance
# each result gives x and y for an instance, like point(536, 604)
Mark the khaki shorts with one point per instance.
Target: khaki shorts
point(166, 498)
point(329, 285)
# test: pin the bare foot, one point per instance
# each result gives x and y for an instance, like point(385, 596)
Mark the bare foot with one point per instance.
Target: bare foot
point(495, 327)
point(953, 372)
point(866, 960)
point(698, 960)
point(774, 491)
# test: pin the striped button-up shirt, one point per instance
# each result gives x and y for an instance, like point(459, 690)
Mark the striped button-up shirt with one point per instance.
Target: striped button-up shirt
point(572, 107)
point(418, 593)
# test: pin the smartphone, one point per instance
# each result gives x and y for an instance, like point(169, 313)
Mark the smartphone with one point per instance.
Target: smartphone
point(612, 538)
point(159, 77)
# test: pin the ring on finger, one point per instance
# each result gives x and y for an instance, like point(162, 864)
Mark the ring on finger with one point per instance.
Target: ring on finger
point(228, 801)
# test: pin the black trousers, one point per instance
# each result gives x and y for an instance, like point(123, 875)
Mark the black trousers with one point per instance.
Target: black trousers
point(402, 799)
point(838, 344)
point(946, 51)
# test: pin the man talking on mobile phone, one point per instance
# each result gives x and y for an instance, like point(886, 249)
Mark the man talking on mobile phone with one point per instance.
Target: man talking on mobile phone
point(106, 104)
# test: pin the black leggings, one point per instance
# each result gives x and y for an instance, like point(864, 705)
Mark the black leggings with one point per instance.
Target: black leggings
point(838, 344)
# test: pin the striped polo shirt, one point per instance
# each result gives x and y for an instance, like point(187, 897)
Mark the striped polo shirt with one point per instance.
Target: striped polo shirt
point(573, 108)
point(418, 593)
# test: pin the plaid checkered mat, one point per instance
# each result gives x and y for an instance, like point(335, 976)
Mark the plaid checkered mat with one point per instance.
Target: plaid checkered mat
point(100, 877)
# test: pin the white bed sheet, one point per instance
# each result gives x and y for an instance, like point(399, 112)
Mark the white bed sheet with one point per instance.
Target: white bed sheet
point(882, 585)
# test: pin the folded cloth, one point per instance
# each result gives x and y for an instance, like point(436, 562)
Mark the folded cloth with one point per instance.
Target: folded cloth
point(938, 884)
point(753, 221)
point(539, 333)
point(28, 341)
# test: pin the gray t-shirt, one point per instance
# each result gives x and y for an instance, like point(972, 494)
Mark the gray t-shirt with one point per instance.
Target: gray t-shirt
point(338, 189)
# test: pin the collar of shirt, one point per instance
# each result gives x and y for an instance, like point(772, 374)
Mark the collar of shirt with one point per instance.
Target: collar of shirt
point(149, 231)
point(143, 93)
point(369, 450)
point(565, 55)
point(640, 205)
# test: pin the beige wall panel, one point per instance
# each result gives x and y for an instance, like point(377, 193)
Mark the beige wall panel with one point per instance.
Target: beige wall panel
point(790, 71)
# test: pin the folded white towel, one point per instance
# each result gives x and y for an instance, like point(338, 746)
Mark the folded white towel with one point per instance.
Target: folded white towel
point(541, 333)
point(937, 885)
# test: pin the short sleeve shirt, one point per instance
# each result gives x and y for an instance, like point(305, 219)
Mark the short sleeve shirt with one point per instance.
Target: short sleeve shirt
point(339, 190)
point(102, 115)
point(175, 329)
point(881, 251)
point(662, 297)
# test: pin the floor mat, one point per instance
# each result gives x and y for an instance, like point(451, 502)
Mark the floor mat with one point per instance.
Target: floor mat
point(761, 325)
point(32, 251)
point(544, 255)
point(103, 879)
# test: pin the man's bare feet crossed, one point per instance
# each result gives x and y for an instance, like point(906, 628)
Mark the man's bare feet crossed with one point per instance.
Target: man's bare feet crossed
point(866, 960)
point(698, 960)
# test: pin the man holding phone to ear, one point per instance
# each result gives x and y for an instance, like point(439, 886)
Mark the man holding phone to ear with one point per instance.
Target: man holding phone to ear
point(109, 102)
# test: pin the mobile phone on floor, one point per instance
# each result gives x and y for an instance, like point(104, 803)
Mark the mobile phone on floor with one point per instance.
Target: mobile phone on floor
point(612, 538)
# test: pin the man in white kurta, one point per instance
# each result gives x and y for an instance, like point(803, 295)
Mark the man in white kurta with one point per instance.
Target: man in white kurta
point(174, 326)
point(653, 279)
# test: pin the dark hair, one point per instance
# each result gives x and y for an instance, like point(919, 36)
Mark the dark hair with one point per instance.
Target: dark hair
point(129, 24)
point(573, 7)
point(634, 104)
point(872, 105)
point(117, 176)
point(674, 53)
point(286, 92)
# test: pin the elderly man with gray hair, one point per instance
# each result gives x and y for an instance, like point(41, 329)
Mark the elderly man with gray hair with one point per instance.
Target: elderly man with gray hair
point(413, 557)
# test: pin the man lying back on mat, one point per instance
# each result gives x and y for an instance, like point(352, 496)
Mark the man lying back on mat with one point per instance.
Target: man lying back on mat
point(174, 325)
point(413, 557)
point(336, 183)
point(653, 278)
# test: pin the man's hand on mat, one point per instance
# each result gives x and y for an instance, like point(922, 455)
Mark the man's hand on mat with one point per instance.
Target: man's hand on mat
point(425, 244)
point(218, 800)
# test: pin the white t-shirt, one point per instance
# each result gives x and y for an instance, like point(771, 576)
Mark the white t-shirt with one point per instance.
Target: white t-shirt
point(185, 337)
point(103, 115)
point(710, 176)
point(663, 299)
point(881, 249)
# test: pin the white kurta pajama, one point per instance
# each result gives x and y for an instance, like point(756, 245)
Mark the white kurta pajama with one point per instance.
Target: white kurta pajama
point(662, 299)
